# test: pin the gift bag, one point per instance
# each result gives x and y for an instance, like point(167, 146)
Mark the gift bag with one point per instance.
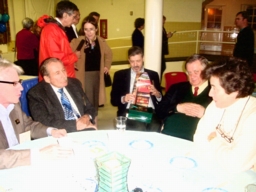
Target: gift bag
point(140, 110)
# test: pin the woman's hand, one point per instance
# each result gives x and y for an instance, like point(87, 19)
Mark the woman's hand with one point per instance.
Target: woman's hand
point(106, 70)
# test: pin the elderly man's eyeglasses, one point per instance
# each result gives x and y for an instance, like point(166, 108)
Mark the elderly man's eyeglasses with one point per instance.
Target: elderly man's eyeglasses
point(14, 83)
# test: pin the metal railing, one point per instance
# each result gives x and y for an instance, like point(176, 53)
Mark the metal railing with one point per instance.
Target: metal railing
point(194, 41)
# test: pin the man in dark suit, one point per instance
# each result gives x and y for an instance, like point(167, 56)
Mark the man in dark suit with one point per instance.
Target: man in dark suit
point(123, 83)
point(244, 48)
point(14, 124)
point(46, 101)
point(165, 47)
point(184, 103)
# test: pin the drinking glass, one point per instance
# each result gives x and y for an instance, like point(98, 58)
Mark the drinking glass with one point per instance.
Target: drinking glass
point(121, 123)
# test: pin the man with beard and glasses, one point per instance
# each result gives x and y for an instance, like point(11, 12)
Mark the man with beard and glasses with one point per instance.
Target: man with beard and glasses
point(122, 90)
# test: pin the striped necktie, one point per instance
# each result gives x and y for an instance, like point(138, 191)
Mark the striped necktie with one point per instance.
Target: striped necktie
point(68, 111)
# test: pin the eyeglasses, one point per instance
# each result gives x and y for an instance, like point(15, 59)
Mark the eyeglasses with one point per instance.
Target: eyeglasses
point(223, 135)
point(14, 82)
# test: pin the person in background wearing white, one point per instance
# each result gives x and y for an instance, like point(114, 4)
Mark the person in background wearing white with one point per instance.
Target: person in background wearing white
point(227, 133)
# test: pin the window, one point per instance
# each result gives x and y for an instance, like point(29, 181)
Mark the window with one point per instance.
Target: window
point(251, 9)
point(214, 16)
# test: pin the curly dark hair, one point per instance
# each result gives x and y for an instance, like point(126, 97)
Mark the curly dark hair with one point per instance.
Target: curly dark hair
point(234, 75)
point(135, 50)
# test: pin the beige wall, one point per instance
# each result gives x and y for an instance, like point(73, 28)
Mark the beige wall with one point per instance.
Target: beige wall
point(121, 23)
point(231, 8)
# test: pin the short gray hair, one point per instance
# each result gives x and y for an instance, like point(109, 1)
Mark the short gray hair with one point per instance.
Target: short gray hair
point(27, 23)
point(43, 68)
point(4, 64)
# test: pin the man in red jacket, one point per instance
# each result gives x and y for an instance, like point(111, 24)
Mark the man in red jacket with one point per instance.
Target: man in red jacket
point(53, 40)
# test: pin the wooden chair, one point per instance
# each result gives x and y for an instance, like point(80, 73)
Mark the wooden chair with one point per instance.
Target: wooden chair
point(174, 77)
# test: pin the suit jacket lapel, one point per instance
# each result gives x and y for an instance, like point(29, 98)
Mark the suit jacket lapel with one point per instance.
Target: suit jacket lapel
point(128, 80)
point(53, 98)
point(74, 94)
point(3, 140)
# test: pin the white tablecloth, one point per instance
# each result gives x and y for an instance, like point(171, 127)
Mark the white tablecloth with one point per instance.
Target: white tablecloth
point(158, 163)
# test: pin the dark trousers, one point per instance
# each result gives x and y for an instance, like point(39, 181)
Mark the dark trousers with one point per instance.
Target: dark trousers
point(154, 126)
point(30, 66)
point(163, 66)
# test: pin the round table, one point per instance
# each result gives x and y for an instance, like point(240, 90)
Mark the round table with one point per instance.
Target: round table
point(159, 163)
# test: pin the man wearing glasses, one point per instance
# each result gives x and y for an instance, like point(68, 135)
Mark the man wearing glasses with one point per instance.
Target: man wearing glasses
point(14, 124)
point(226, 134)
point(54, 41)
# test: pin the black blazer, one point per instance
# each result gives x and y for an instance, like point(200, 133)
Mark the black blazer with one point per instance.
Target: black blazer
point(70, 33)
point(121, 86)
point(46, 108)
point(244, 47)
point(138, 38)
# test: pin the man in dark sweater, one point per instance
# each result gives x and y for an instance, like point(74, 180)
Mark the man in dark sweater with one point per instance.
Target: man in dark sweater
point(244, 48)
point(184, 103)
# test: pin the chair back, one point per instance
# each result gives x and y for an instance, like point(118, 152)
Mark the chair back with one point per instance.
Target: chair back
point(27, 85)
point(174, 77)
point(254, 77)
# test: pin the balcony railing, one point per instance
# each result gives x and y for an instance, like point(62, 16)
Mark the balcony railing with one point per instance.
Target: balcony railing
point(184, 44)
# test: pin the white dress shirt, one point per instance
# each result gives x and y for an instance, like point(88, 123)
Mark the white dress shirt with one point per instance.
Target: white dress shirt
point(7, 124)
point(73, 105)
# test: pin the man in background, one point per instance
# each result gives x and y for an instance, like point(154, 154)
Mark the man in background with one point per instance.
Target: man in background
point(54, 41)
point(244, 47)
point(122, 90)
point(184, 103)
point(137, 35)
point(14, 124)
point(165, 48)
point(27, 46)
point(72, 31)
point(59, 101)
point(96, 16)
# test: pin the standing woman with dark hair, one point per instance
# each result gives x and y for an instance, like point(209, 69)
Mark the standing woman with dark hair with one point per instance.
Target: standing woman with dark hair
point(95, 61)
point(137, 36)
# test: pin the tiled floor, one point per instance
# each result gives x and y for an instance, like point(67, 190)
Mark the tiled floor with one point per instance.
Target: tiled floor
point(107, 114)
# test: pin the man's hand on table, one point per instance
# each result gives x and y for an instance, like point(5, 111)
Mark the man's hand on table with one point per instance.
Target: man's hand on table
point(84, 122)
point(191, 109)
point(55, 152)
point(57, 133)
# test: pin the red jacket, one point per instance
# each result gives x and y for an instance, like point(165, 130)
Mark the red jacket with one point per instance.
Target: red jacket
point(54, 43)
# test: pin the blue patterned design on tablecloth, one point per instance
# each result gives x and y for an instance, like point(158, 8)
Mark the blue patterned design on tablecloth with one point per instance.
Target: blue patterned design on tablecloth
point(141, 144)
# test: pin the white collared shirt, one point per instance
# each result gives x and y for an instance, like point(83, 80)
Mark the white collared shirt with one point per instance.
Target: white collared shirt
point(74, 28)
point(58, 20)
point(201, 87)
point(7, 124)
point(73, 105)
